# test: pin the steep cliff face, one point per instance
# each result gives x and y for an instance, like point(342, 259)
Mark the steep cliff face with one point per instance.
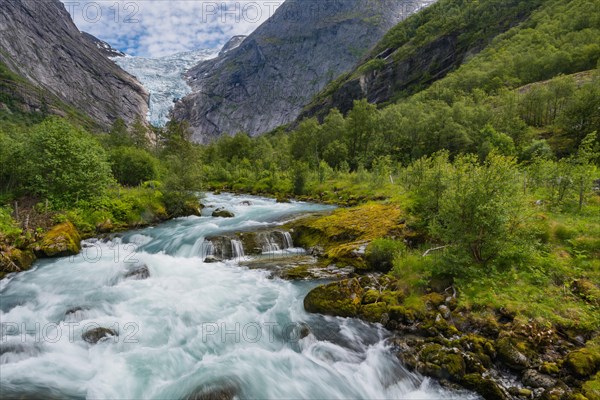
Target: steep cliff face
point(275, 72)
point(420, 51)
point(55, 63)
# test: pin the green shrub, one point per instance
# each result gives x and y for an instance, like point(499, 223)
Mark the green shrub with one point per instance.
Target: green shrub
point(132, 166)
point(380, 254)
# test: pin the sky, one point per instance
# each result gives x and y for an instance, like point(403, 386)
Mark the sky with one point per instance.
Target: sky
point(155, 28)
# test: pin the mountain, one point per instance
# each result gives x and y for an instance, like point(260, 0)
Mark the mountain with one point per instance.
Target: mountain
point(104, 47)
point(163, 78)
point(47, 62)
point(421, 50)
point(276, 71)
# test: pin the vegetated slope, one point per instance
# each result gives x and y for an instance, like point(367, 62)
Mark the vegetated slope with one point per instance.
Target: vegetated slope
point(265, 82)
point(48, 65)
point(421, 50)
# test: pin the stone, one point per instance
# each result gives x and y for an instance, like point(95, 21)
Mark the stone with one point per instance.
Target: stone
point(222, 213)
point(535, 379)
point(510, 355)
point(138, 273)
point(93, 336)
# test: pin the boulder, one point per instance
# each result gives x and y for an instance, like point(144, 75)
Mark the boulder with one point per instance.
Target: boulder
point(138, 273)
point(535, 379)
point(510, 355)
point(61, 241)
point(222, 213)
point(212, 260)
point(338, 299)
point(93, 336)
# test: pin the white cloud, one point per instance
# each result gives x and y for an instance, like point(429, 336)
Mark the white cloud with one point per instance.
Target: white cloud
point(155, 28)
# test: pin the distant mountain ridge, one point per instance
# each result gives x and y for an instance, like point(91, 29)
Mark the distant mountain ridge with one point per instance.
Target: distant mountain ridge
point(46, 59)
point(266, 81)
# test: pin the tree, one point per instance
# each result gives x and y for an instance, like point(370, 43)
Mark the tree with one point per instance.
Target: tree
point(480, 208)
point(65, 163)
point(132, 166)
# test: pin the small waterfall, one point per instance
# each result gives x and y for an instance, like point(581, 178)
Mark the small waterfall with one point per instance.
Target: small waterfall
point(269, 245)
point(209, 249)
point(237, 249)
point(287, 238)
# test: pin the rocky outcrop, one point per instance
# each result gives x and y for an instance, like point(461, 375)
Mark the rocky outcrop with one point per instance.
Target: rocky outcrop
point(418, 52)
point(58, 68)
point(104, 47)
point(233, 43)
point(266, 81)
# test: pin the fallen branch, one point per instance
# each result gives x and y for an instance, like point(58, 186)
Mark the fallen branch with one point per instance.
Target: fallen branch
point(434, 249)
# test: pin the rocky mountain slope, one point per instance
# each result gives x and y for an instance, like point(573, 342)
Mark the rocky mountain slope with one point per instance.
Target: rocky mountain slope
point(47, 62)
point(420, 51)
point(276, 71)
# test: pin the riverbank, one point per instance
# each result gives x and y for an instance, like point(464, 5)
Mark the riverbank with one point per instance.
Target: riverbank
point(506, 334)
point(32, 230)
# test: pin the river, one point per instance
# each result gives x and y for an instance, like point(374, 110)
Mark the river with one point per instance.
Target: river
point(191, 329)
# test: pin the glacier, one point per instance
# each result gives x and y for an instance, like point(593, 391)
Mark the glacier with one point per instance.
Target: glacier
point(164, 78)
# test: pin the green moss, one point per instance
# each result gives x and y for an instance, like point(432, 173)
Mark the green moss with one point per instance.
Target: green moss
point(484, 386)
point(61, 241)
point(591, 388)
point(584, 362)
point(346, 230)
point(442, 363)
point(510, 354)
point(376, 312)
point(339, 299)
point(371, 296)
point(297, 273)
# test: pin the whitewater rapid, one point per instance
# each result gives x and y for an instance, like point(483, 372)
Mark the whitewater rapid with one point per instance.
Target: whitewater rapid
point(191, 327)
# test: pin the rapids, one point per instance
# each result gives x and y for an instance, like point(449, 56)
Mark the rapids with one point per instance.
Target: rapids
point(191, 328)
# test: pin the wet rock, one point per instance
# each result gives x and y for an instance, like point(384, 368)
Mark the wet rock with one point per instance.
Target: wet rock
point(212, 260)
point(375, 313)
point(442, 363)
point(484, 386)
point(222, 213)
point(61, 241)
point(510, 355)
point(139, 273)
point(338, 299)
point(444, 311)
point(105, 227)
point(95, 335)
point(535, 379)
point(224, 391)
point(246, 203)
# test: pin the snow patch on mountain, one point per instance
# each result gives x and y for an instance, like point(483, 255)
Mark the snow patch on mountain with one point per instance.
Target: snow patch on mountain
point(164, 79)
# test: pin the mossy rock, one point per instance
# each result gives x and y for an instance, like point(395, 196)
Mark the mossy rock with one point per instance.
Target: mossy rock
point(222, 213)
point(591, 388)
point(442, 363)
point(583, 362)
point(297, 273)
point(434, 300)
point(402, 314)
point(510, 354)
point(16, 260)
point(375, 312)
point(371, 296)
point(436, 325)
point(484, 386)
point(61, 241)
point(338, 299)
